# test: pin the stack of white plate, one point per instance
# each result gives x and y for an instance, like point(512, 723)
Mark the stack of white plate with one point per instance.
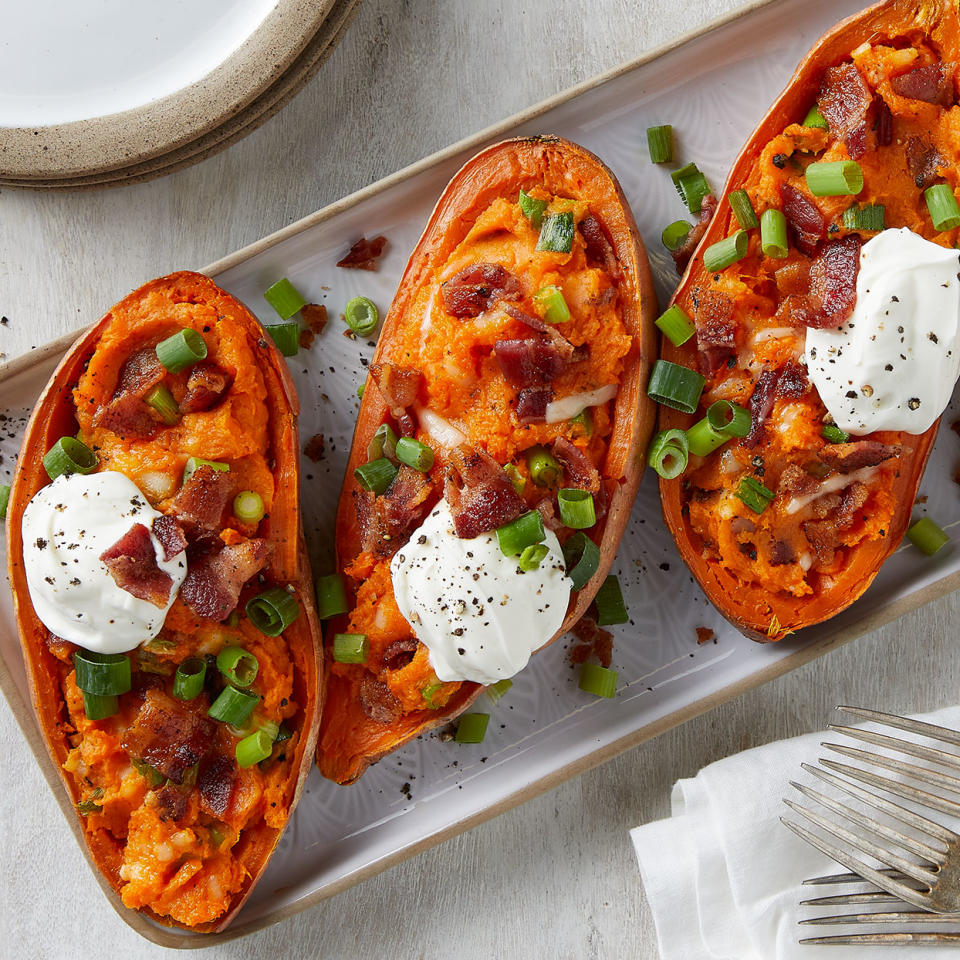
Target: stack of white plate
point(105, 92)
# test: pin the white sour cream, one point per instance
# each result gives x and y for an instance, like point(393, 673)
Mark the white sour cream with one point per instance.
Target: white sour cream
point(894, 364)
point(66, 527)
point(479, 616)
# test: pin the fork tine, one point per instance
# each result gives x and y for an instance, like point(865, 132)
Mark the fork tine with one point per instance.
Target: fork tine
point(849, 877)
point(863, 844)
point(874, 896)
point(921, 849)
point(915, 820)
point(903, 723)
point(923, 774)
point(903, 790)
point(950, 760)
point(896, 916)
point(880, 939)
point(844, 857)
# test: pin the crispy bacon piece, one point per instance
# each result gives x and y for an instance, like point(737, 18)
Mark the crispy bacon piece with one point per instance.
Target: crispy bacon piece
point(399, 387)
point(532, 404)
point(822, 536)
point(533, 322)
point(170, 735)
point(128, 417)
point(549, 515)
point(854, 497)
point(833, 282)
point(781, 553)
point(132, 562)
point(807, 222)
point(478, 288)
point(378, 703)
point(716, 330)
point(363, 255)
point(564, 347)
point(793, 278)
point(593, 641)
point(883, 123)
point(384, 521)
point(761, 403)
point(796, 481)
point(844, 101)
point(923, 161)
point(206, 387)
point(171, 803)
point(215, 576)
point(681, 256)
point(529, 363)
point(847, 457)
point(201, 501)
point(793, 382)
point(479, 493)
point(399, 653)
point(598, 245)
point(932, 83)
point(215, 781)
point(704, 635)
point(577, 466)
point(170, 534)
point(140, 373)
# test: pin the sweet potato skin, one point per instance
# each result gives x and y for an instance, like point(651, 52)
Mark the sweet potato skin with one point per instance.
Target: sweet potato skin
point(501, 170)
point(762, 616)
point(52, 418)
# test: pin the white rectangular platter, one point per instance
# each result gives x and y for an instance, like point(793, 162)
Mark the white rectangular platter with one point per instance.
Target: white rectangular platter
point(713, 88)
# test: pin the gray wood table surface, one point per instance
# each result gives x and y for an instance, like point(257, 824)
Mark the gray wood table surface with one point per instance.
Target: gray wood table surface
point(556, 877)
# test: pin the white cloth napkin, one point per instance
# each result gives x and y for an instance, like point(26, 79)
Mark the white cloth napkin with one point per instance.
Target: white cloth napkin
point(723, 875)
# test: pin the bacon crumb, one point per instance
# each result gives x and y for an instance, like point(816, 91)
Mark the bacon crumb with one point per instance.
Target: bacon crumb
point(363, 255)
point(705, 635)
point(314, 448)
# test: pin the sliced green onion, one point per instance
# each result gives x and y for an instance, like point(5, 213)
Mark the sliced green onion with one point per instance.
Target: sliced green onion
point(669, 453)
point(361, 316)
point(577, 510)
point(194, 464)
point(660, 143)
point(543, 469)
point(250, 750)
point(270, 727)
point(556, 234)
point(742, 207)
point(584, 419)
point(773, 233)
point(532, 557)
point(350, 647)
point(872, 216)
point(692, 186)
point(754, 494)
point(729, 418)
point(582, 557)
point(675, 386)
point(99, 708)
point(523, 532)
point(532, 208)
point(181, 350)
point(331, 596)
point(675, 325)
point(834, 178)
point(415, 454)
point(161, 399)
point(248, 506)
point(675, 233)
point(360, 390)
point(285, 298)
point(553, 307)
point(103, 674)
point(429, 693)
point(87, 807)
point(609, 600)
point(4, 500)
point(703, 438)
point(815, 119)
point(151, 774)
point(383, 443)
point(272, 611)
point(834, 434)
point(925, 535)
point(188, 680)
point(517, 479)
point(286, 336)
point(239, 666)
point(496, 691)
point(69, 455)
point(600, 681)
point(233, 706)
point(472, 727)
point(722, 254)
point(376, 475)
point(943, 207)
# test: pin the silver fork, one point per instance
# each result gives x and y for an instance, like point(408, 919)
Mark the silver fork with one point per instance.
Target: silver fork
point(932, 860)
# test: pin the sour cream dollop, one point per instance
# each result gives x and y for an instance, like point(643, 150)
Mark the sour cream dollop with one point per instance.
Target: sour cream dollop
point(479, 616)
point(66, 527)
point(894, 364)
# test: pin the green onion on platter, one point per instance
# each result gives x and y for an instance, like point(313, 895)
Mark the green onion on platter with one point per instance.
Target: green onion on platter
point(926, 536)
point(361, 316)
point(611, 608)
point(285, 298)
point(660, 143)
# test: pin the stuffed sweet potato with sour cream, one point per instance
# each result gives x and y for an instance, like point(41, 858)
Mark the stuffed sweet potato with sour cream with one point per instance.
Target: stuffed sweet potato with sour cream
point(164, 598)
point(505, 407)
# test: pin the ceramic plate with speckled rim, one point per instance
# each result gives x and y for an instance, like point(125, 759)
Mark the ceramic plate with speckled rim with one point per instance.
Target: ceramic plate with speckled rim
point(87, 89)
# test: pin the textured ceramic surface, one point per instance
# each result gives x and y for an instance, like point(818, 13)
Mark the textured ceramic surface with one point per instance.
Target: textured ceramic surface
point(42, 150)
point(713, 89)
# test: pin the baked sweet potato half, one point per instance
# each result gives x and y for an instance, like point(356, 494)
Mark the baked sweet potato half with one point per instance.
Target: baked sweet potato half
point(507, 385)
point(788, 525)
point(164, 597)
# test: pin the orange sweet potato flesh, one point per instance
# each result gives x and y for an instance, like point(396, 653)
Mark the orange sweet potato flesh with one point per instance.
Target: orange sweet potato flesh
point(262, 401)
point(890, 29)
point(349, 740)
